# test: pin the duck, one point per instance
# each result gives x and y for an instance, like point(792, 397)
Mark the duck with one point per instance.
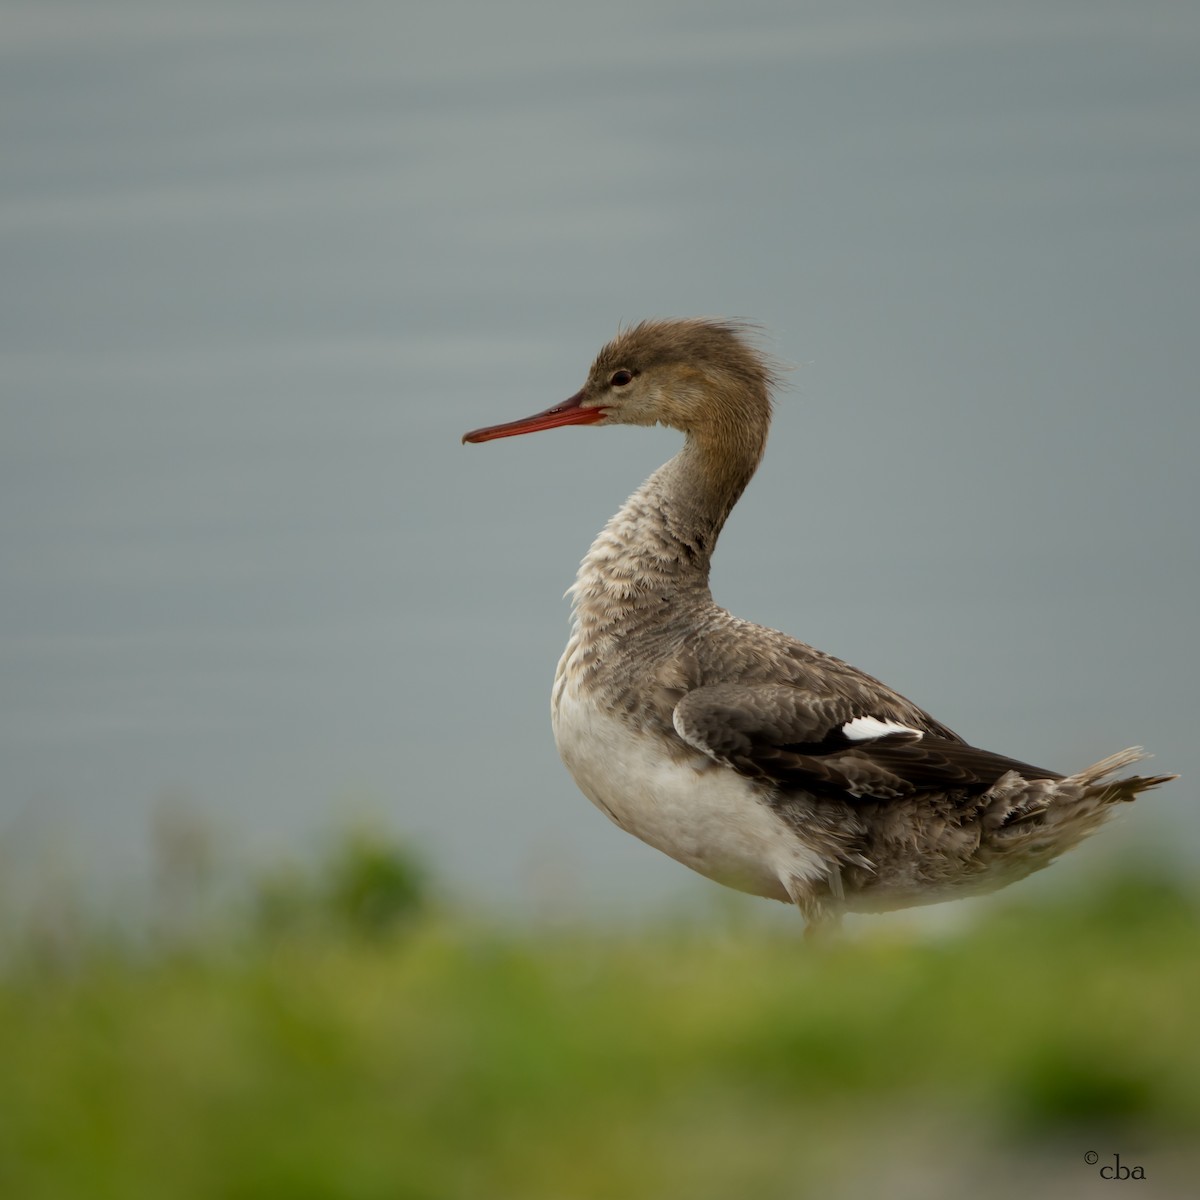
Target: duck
point(751, 757)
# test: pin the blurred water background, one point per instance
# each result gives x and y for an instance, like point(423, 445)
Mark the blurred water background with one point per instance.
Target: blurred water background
point(264, 263)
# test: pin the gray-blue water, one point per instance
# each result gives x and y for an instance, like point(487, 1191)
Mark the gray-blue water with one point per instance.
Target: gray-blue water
point(264, 263)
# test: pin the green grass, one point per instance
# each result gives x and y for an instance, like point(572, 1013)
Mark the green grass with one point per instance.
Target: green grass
point(432, 1056)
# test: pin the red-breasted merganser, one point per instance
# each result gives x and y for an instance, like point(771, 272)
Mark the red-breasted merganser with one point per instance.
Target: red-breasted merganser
point(744, 754)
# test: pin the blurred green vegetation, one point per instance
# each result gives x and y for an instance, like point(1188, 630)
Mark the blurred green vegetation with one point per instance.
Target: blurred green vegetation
point(342, 1036)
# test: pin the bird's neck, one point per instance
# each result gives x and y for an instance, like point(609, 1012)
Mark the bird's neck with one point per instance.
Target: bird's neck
point(651, 561)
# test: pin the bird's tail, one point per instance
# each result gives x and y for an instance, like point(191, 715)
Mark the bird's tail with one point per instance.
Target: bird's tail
point(1034, 821)
point(1096, 782)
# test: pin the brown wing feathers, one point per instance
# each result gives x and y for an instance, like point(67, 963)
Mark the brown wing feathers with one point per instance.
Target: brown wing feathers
point(799, 740)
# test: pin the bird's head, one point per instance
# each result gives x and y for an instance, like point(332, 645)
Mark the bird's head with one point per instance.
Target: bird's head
point(694, 375)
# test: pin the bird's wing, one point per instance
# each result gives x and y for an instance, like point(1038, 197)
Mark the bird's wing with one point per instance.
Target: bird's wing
point(835, 743)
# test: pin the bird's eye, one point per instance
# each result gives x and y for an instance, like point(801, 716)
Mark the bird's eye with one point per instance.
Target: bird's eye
point(621, 378)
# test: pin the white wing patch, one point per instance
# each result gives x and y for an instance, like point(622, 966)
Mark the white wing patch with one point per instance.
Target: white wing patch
point(862, 729)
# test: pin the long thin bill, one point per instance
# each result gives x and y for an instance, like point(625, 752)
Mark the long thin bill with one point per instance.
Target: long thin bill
point(569, 412)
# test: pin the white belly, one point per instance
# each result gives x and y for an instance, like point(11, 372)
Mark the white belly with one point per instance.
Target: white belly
point(702, 814)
